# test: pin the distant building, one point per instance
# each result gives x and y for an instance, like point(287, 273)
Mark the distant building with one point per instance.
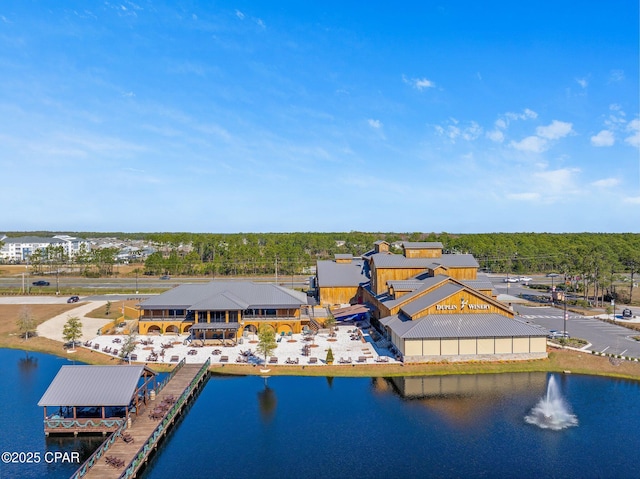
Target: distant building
point(21, 248)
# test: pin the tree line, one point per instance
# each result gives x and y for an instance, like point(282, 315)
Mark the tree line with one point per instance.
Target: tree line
point(594, 258)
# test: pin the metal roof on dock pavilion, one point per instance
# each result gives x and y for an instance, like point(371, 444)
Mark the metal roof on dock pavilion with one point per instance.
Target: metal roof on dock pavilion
point(89, 385)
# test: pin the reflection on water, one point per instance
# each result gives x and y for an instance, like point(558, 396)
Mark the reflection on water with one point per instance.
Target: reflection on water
point(267, 402)
point(464, 399)
point(315, 427)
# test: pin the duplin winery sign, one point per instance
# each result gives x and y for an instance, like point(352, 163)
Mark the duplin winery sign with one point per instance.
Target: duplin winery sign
point(464, 303)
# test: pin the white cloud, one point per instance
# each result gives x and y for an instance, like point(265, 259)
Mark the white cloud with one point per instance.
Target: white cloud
point(604, 138)
point(239, 14)
point(557, 129)
point(583, 82)
point(634, 200)
point(525, 115)
point(419, 83)
point(496, 135)
point(634, 128)
point(377, 124)
point(556, 184)
point(616, 76)
point(503, 122)
point(533, 144)
point(606, 183)
point(260, 23)
point(472, 132)
point(454, 130)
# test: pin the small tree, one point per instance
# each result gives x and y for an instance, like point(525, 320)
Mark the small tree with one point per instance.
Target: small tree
point(107, 308)
point(266, 341)
point(72, 331)
point(26, 323)
point(330, 322)
point(329, 358)
point(129, 345)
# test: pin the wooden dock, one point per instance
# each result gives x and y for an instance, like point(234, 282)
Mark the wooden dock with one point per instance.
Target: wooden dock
point(145, 431)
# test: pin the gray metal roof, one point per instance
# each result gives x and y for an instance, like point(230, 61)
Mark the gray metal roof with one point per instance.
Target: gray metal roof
point(332, 274)
point(422, 245)
point(343, 256)
point(214, 326)
point(427, 283)
point(93, 386)
point(227, 295)
point(477, 284)
point(435, 296)
point(382, 260)
point(405, 284)
point(461, 326)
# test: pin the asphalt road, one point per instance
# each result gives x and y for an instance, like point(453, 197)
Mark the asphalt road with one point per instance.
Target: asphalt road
point(603, 336)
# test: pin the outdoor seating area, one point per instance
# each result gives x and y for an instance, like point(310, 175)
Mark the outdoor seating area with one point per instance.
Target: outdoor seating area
point(161, 409)
point(114, 461)
point(350, 344)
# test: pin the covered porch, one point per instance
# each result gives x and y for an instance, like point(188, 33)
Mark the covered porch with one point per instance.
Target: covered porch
point(215, 333)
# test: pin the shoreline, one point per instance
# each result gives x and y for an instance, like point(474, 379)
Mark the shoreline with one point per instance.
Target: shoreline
point(559, 361)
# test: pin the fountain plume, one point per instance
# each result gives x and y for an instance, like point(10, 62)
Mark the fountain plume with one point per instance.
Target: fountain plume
point(552, 412)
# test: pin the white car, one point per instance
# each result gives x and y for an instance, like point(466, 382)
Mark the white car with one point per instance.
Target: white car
point(511, 280)
point(525, 279)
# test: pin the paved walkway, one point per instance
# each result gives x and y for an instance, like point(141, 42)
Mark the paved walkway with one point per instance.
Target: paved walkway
point(52, 328)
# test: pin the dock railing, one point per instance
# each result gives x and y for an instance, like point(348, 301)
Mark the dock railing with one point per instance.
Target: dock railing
point(170, 375)
point(82, 470)
point(158, 432)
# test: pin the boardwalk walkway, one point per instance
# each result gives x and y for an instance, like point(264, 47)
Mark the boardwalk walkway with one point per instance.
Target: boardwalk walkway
point(147, 432)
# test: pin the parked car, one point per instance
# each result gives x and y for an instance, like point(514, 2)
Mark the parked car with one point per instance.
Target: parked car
point(553, 275)
point(525, 279)
point(553, 334)
point(511, 280)
point(165, 276)
point(73, 299)
point(627, 313)
point(41, 283)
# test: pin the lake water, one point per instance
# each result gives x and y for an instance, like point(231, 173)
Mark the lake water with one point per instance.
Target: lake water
point(291, 427)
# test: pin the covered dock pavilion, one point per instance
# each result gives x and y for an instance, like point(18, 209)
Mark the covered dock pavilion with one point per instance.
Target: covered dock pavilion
point(95, 399)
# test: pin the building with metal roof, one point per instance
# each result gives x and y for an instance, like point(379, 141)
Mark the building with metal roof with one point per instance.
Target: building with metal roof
point(430, 305)
point(92, 399)
point(227, 308)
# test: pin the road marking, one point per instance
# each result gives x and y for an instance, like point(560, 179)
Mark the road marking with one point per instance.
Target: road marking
point(604, 349)
point(623, 352)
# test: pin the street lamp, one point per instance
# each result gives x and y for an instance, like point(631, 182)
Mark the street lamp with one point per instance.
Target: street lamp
point(564, 329)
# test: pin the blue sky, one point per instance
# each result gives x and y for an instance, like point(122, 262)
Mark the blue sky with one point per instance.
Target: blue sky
point(256, 116)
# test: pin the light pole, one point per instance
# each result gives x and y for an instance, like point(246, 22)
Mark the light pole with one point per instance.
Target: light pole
point(564, 330)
